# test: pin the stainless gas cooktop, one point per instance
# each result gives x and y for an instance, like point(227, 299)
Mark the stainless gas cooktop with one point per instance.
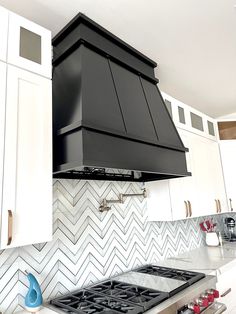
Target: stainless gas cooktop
point(144, 289)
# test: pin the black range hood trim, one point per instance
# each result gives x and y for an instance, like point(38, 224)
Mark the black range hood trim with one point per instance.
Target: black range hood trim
point(81, 175)
point(105, 54)
point(96, 144)
point(81, 18)
point(86, 126)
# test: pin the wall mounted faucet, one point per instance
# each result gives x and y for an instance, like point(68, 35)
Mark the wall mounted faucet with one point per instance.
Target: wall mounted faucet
point(105, 203)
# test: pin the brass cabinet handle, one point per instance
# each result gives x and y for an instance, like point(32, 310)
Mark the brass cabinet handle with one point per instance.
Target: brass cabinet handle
point(186, 208)
point(231, 205)
point(226, 292)
point(190, 209)
point(217, 206)
point(10, 223)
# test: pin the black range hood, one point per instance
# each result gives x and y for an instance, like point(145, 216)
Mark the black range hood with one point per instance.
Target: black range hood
point(110, 120)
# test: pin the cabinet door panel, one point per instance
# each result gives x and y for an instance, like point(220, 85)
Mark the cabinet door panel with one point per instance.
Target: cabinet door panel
point(203, 185)
point(158, 201)
point(228, 155)
point(226, 285)
point(3, 33)
point(181, 189)
point(2, 123)
point(29, 45)
point(27, 183)
point(217, 177)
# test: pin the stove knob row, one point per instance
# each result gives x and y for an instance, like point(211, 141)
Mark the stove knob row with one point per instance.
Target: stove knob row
point(203, 301)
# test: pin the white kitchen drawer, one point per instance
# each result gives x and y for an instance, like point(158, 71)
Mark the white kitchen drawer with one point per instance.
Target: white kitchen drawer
point(29, 45)
point(226, 285)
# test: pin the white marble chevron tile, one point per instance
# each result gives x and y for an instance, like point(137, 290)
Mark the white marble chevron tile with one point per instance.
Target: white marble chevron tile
point(88, 245)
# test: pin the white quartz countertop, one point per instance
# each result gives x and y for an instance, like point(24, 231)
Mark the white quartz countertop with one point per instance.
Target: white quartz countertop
point(209, 260)
point(42, 311)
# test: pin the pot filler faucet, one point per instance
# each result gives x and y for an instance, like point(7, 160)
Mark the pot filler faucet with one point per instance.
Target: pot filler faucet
point(104, 204)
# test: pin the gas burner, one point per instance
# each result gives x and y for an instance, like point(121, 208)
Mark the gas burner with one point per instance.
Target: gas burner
point(188, 276)
point(132, 293)
point(88, 302)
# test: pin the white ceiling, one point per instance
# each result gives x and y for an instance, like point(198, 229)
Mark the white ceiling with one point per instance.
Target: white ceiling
point(193, 41)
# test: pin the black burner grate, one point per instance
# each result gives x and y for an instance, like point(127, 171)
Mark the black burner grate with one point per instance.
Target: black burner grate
point(110, 297)
point(88, 302)
point(115, 297)
point(145, 297)
point(189, 277)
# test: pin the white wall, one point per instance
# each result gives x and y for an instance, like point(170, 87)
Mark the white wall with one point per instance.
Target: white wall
point(229, 116)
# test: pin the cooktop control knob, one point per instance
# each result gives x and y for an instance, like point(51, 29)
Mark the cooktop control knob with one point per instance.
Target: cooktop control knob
point(214, 292)
point(202, 302)
point(208, 297)
point(195, 308)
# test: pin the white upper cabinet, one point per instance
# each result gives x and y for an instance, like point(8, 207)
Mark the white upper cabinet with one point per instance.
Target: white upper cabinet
point(2, 122)
point(181, 189)
point(190, 119)
point(228, 155)
point(27, 178)
point(3, 33)
point(227, 135)
point(203, 193)
point(216, 177)
point(29, 45)
point(158, 201)
point(25, 132)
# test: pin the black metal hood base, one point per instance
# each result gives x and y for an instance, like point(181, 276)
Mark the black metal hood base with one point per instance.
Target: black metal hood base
point(108, 113)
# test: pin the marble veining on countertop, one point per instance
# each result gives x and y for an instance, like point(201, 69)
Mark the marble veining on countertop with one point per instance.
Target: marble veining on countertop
point(209, 260)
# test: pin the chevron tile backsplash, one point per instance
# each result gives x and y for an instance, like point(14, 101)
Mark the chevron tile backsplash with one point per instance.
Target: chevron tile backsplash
point(88, 245)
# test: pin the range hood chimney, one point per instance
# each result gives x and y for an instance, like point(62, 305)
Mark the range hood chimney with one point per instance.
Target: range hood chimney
point(110, 120)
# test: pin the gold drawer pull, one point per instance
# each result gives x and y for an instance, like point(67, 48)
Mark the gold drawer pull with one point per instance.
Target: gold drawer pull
point(190, 208)
point(186, 208)
point(10, 223)
point(226, 292)
point(231, 205)
point(217, 206)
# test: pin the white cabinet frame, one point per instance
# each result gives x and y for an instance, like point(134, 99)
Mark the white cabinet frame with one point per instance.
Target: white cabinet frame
point(27, 176)
point(3, 33)
point(15, 24)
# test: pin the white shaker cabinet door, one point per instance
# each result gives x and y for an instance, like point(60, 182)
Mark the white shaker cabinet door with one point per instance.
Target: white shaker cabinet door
point(158, 201)
point(27, 178)
point(3, 33)
point(29, 45)
point(182, 189)
point(203, 196)
point(228, 155)
point(217, 177)
point(2, 123)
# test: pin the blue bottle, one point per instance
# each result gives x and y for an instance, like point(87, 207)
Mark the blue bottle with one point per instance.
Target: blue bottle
point(33, 299)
